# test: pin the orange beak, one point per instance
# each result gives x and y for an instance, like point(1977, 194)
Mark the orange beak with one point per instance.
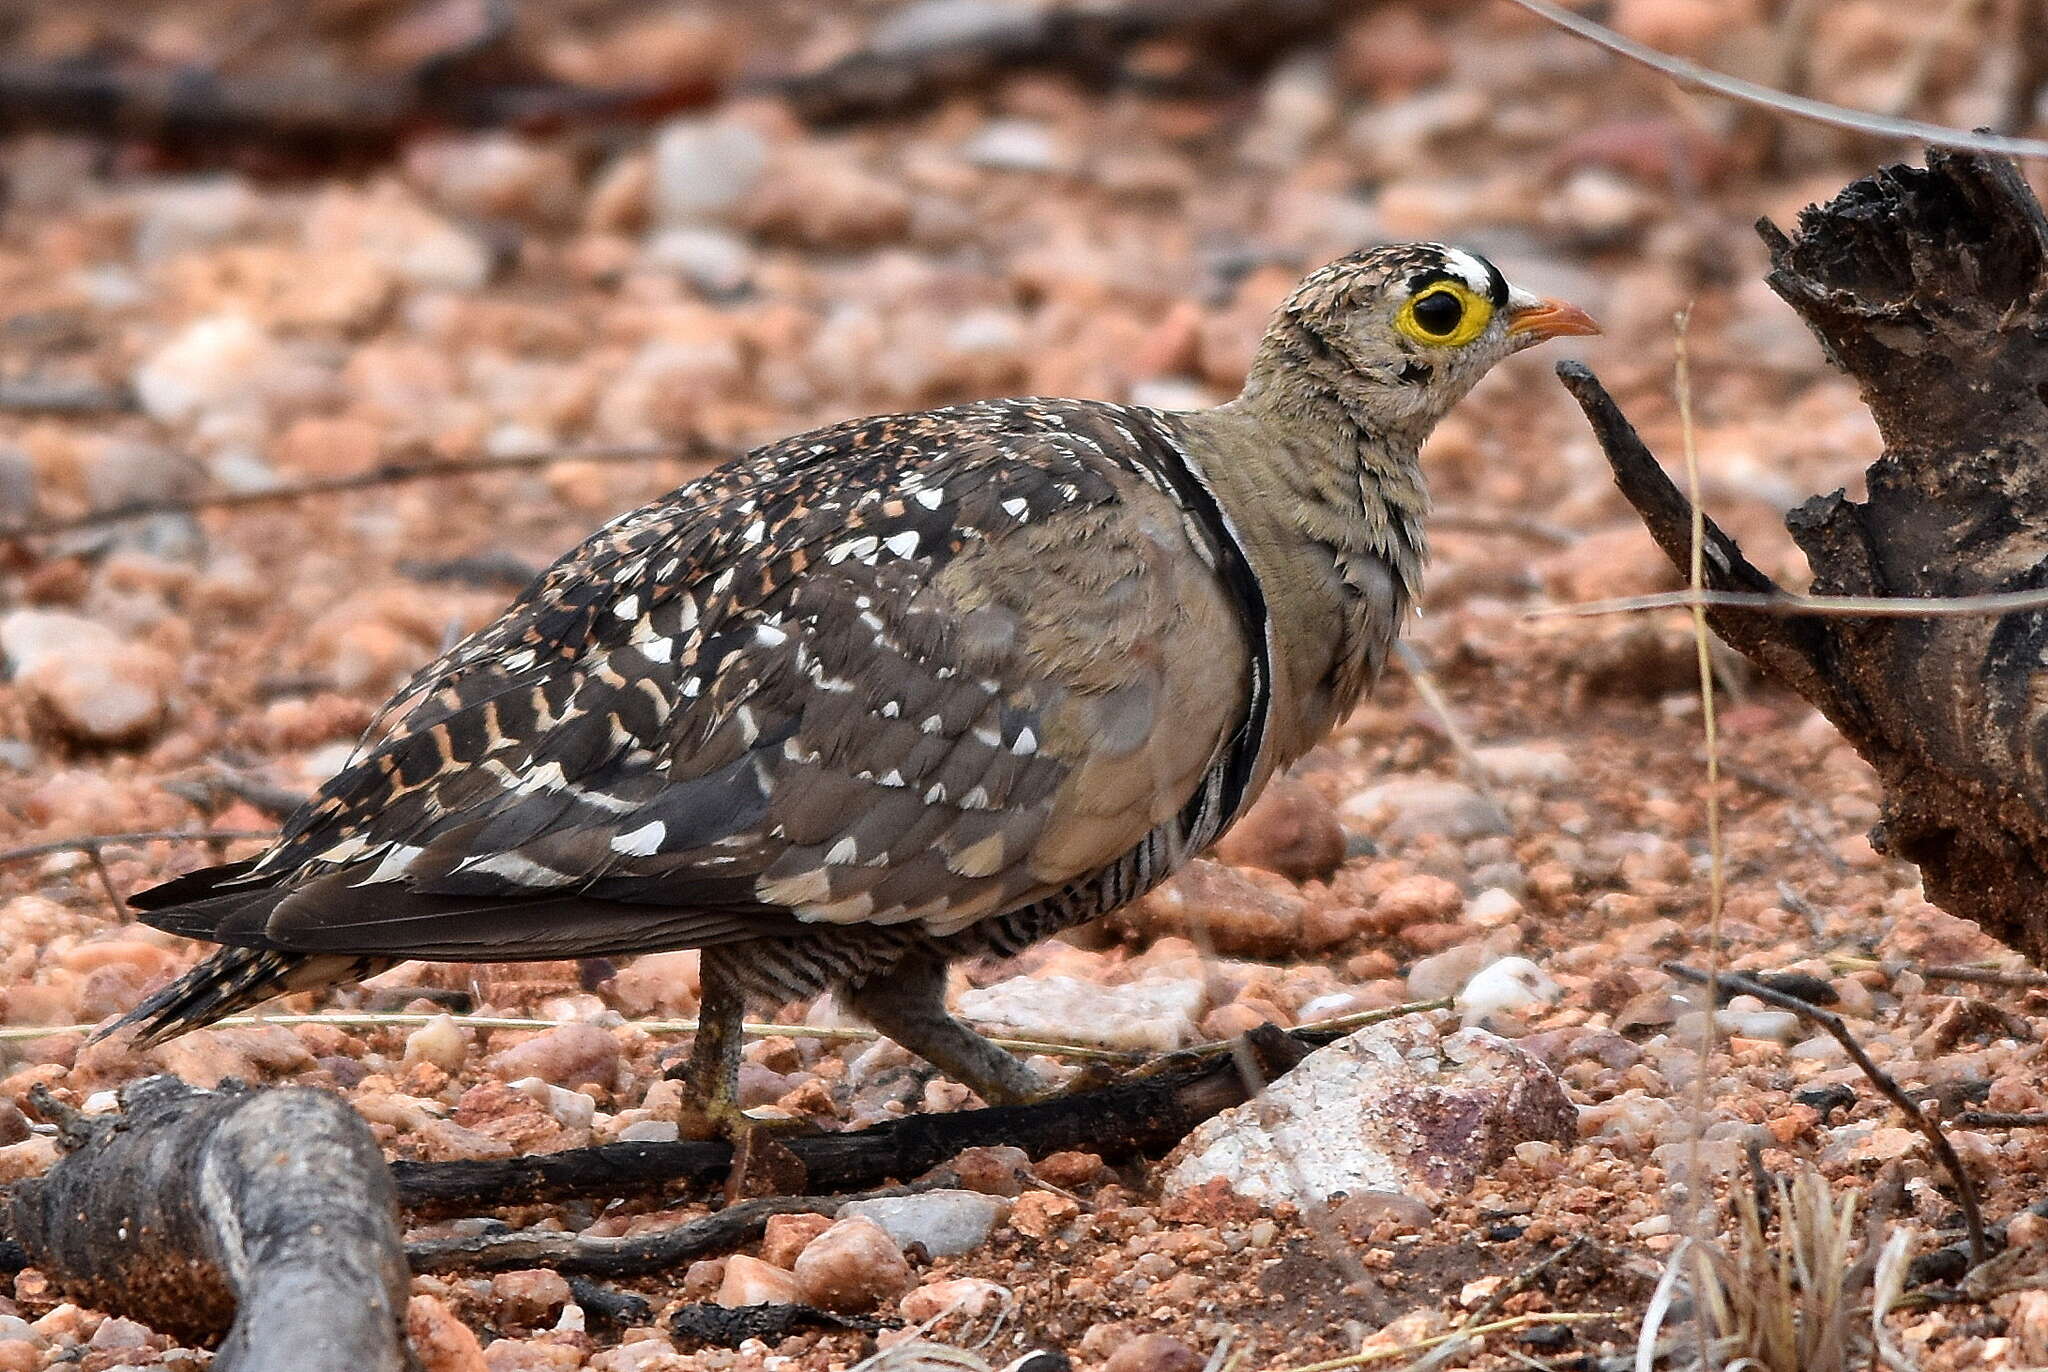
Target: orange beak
point(1549, 319)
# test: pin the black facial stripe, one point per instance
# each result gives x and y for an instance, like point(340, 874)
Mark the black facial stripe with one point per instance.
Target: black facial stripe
point(1423, 280)
point(1496, 284)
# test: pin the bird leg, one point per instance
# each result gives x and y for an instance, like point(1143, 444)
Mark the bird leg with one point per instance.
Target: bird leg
point(909, 1005)
point(760, 1165)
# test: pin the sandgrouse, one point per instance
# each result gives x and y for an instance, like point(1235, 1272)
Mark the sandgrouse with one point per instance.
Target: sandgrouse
point(890, 693)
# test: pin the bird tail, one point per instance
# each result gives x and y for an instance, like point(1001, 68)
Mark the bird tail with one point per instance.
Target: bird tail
point(235, 979)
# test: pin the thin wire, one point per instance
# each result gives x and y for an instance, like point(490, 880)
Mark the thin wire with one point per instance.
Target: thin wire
point(1798, 106)
point(1787, 604)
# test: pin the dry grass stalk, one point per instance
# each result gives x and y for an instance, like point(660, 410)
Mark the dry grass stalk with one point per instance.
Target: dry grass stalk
point(1791, 1289)
point(1782, 1302)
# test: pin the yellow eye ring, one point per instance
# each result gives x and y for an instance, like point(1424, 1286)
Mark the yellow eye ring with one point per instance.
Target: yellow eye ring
point(1444, 314)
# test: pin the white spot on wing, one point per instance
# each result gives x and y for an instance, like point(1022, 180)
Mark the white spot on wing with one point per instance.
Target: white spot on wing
point(641, 842)
point(903, 544)
point(397, 858)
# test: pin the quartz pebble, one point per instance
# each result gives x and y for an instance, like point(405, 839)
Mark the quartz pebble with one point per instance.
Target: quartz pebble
point(1416, 807)
point(965, 1296)
point(853, 1266)
point(786, 1235)
point(566, 1055)
point(703, 168)
point(1155, 1353)
point(440, 1041)
point(1394, 1107)
point(1506, 987)
point(84, 679)
point(1155, 1015)
point(1291, 829)
point(749, 1281)
point(944, 1223)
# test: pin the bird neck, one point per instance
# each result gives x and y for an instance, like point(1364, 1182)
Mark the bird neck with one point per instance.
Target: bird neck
point(1313, 462)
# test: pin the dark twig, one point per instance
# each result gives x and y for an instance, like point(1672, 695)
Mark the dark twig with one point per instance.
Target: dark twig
point(1832, 1024)
point(507, 1249)
point(348, 117)
point(1984, 976)
point(390, 474)
point(94, 843)
point(40, 395)
point(1993, 1119)
point(1086, 42)
point(1145, 1116)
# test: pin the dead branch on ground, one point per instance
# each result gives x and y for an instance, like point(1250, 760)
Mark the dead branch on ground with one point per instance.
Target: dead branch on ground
point(1141, 1116)
point(1226, 41)
point(478, 81)
point(267, 1215)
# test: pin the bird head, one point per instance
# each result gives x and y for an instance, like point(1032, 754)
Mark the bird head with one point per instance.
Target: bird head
point(1398, 334)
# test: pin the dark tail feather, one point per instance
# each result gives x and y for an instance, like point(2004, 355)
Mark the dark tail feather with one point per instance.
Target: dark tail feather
point(235, 979)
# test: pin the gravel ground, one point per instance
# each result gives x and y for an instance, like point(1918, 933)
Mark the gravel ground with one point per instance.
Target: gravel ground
point(729, 276)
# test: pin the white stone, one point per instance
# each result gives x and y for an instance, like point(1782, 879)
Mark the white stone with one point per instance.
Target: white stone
point(207, 365)
point(703, 168)
point(1014, 145)
point(83, 677)
point(1419, 806)
point(1396, 1107)
point(440, 1041)
point(650, 1131)
point(715, 261)
point(178, 216)
point(924, 25)
point(1507, 986)
point(1516, 764)
point(1155, 1015)
point(1493, 907)
point(946, 1222)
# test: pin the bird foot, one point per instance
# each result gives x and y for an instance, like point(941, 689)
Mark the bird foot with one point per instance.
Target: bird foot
point(762, 1163)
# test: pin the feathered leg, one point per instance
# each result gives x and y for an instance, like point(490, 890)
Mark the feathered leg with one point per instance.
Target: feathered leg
point(909, 1005)
point(760, 1165)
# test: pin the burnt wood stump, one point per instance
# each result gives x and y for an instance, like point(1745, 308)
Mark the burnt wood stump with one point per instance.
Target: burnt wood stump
point(1930, 288)
point(268, 1217)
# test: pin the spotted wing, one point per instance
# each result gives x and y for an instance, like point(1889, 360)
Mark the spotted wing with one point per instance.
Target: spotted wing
point(923, 669)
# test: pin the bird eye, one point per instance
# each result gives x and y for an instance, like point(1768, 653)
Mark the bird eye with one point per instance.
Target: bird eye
point(1438, 313)
point(1444, 314)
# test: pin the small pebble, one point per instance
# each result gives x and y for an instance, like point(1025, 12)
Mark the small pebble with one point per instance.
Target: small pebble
point(749, 1281)
point(1509, 986)
point(787, 1235)
point(853, 1266)
point(965, 1296)
point(946, 1223)
point(1155, 1353)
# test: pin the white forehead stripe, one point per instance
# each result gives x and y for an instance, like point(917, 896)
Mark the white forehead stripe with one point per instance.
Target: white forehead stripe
point(1469, 269)
point(1519, 299)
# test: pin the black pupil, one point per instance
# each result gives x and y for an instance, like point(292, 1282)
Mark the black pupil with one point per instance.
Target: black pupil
point(1439, 312)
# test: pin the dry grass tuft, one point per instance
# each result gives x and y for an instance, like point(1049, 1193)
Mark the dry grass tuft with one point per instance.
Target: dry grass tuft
point(1793, 1289)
